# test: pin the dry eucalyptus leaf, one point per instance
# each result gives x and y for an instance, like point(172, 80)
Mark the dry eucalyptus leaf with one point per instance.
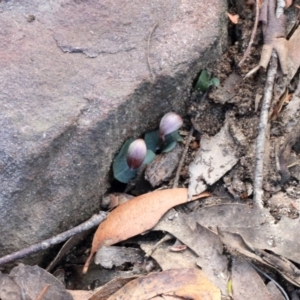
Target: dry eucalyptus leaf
point(274, 291)
point(81, 295)
point(217, 155)
point(111, 287)
point(204, 243)
point(256, 226)
point(242, 275)
point(34, 279)
point(293, 52)
point(136, 216)
point(168, 259)
point(274, 35)
point(9, 290)
point(235, 242)
point(233, 18)
point(188, 283)
point(108, 257)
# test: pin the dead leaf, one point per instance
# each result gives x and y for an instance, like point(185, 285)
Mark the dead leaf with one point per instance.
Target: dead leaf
point(274, 35)
point(235, 242)
point(81, 295)
point(274, 38)
point(111, 287)
point(293, 51)
point(108, 257)
point(168, 259)
point(33, 279)
point(217, 155)
point(135, 217)
point(233, 18)
point(113, 200)
point(274, 291)
point(204, 243)
point(9, 290)
point(242, 275)
point(187, 283)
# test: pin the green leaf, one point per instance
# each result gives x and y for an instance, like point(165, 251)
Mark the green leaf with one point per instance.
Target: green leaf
point(151, 140)
point(214, 81)
point(169, 147)
point(120, 167)
point(203, 81)
point(173, 136)
point(150, 156)
point(171, 141)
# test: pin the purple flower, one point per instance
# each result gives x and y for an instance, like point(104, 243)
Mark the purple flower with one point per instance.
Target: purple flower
point(169, 123)
point(136, 153)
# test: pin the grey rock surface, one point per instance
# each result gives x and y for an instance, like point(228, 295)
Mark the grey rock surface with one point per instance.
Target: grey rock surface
point(74, 85)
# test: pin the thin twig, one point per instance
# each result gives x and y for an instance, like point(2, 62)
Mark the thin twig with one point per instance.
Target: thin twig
point(253, 33)
point(262, 133)
point(263, 126)
point(270, 278)
point(148, 52)
point(92, 222)
point(43, 292)
point(188, 141)
point(280, 8)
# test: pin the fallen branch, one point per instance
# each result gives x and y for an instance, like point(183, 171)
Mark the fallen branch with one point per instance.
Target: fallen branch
point(43, 292)
point(188, 141)
point(253, 33)
point(92, 222)
point(262, 133)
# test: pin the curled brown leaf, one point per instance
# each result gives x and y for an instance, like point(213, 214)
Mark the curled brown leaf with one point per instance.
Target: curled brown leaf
point(136, 216)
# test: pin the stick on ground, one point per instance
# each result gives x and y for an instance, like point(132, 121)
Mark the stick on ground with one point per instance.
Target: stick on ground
point(92, 222)
point(253, 33)
point(262, 133)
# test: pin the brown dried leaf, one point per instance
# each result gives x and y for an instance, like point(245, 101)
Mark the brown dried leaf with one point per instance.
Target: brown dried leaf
point(135, 217)
point(242, 274)
point(204, 243)
point(186, 283)
point(81, 295)
point(9, 290)
point(233, 18)
point(111, 287)
point(274, 37)
point(32, 280)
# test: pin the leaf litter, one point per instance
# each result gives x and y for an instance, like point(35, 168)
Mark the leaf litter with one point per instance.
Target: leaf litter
point(224, 235)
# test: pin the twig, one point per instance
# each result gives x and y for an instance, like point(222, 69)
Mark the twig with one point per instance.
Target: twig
point(167, 237)
point(92, 222)
point(148, 52)
point(270, 278)
point(188, 141)
point(280, 8)
point(253, 33)
point(262, 133)
point(43, 292)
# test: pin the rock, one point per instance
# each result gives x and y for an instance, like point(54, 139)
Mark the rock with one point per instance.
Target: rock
point(75, 84)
